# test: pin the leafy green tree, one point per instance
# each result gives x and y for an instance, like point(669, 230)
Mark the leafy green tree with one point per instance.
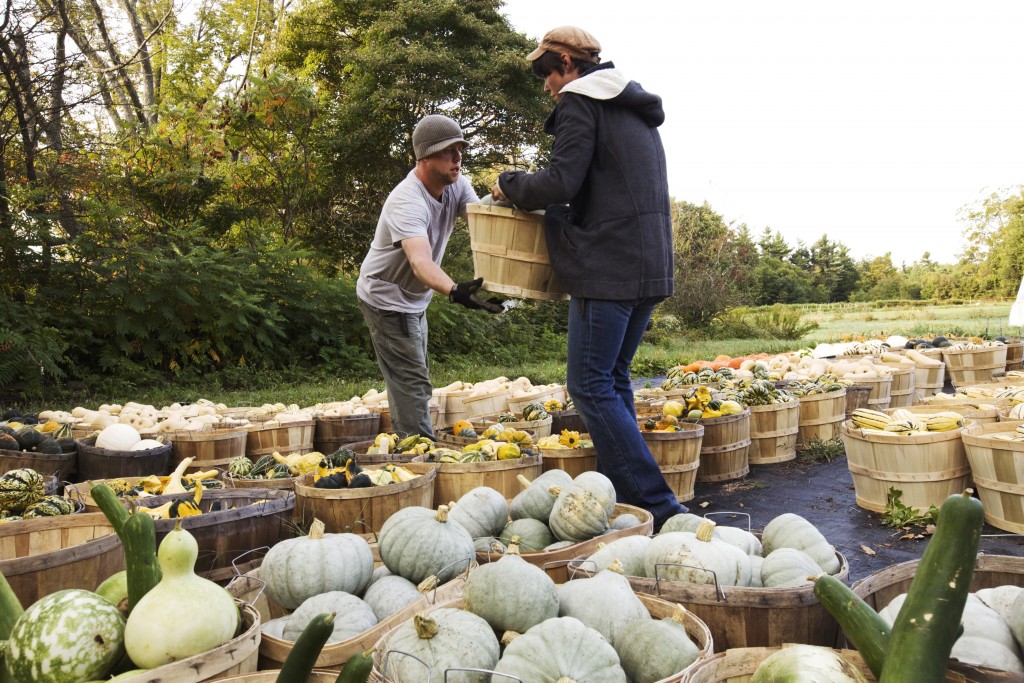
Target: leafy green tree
point(773, 245)
point(833, 270)
point(706, 264)
point(378, 67)
point(780, 282)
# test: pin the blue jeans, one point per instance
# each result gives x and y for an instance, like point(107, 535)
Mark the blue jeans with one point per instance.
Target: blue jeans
point(603, 336)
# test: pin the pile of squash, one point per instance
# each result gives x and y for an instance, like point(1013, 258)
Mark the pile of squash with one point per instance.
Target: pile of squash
point(613, 636)
point(551, 512)
point(692, 549)
point(23, 496)
point(49, 438)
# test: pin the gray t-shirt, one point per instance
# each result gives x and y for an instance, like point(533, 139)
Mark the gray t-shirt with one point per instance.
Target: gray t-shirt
point(386, 279)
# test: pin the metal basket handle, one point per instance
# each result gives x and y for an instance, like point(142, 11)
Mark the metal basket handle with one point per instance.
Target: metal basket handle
point(489, 672)
point(577, 563)
point(262, 585)
point(73, 492)
point(657, 579)
point(235, 562)
point(387, 656)
point(708, 515)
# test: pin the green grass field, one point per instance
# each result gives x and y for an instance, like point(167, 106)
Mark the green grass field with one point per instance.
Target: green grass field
point(835, 323)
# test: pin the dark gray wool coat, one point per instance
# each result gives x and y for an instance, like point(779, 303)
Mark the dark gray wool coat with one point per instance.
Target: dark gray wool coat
point(614, 239)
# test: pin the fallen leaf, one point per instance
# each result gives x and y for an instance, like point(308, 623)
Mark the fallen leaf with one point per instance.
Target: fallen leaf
point(704, 505)
point(907, 537)
point(929, 530)
point(867, 551)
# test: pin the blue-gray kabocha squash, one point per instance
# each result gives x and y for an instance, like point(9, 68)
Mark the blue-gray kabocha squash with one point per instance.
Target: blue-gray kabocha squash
point(444, 638)
point(511, 594)
point(536, 499)
point(418, 542)
point(483, 512)
point(358, 616)
point(583, 508)
point(789, 530)
point(651, 650)
point(534, 536)
point(606, 602)
point(697, 558)
point(559, 650)
point(299, 568)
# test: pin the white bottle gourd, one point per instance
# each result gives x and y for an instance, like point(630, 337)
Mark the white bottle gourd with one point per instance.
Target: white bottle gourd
point(183, 615)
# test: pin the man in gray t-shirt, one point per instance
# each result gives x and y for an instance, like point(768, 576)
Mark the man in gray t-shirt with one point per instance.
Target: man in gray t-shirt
point(402, 270)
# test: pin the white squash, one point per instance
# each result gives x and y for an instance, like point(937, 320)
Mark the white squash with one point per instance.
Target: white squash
point(806, 663)
point(118, 437)
point(605, 602)
point(787, 568)
point(206, 612)
point(146, 444)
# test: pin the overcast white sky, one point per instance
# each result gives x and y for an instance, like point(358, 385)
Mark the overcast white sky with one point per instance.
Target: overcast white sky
point(874, 122)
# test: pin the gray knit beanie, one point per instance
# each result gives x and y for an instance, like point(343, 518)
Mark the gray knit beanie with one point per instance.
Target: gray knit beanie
point(433, 133)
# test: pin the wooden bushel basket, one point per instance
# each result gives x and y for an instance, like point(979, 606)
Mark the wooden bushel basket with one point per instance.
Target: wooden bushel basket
point(284, 438)
point(457, 478)
point(280, 484)
point(316, 676)
point(253, 518)
point(516, 405)
point(928, 381)
point(901, 391)
point(567, 419)
point(773, 431)
point(997, 467)
point(81, 492)
point(969, 412)
point(208, 446)
point(363, 510)
point(742, 616)
point(574, 461)
point(387, 426)
point(881, 391)
point(274, 650)
point(678, 457)
point(491, 403)
point(334, 432)
point(738, 665)
point(696, 629)
point(238, 656)
point(821, 416)
point(1014, 355)
point(990, 571)
point(725, 450)
point(541, 428)
point(927, 468)
point(103, 463)
point(510, 252)
point(54, 553)
point(557, 562)
point(61, 464)
point(974, 366)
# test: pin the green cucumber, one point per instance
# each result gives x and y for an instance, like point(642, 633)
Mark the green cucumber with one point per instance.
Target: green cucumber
point(10, 608)
point(139, 539)
point(926, 627)
point(110, 505)
point(357, 669)
point(867, 631)
point(302, 658)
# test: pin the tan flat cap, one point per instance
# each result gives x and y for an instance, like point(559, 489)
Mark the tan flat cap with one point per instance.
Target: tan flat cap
point(572, 40)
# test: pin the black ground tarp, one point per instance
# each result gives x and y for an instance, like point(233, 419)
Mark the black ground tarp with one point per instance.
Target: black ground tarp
point(823, 493)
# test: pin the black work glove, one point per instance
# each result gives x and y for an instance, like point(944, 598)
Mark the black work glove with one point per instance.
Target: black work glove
point(465, 293)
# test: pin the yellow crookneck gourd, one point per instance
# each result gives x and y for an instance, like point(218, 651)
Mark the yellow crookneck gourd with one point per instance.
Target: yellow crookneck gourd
point(184, 614)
